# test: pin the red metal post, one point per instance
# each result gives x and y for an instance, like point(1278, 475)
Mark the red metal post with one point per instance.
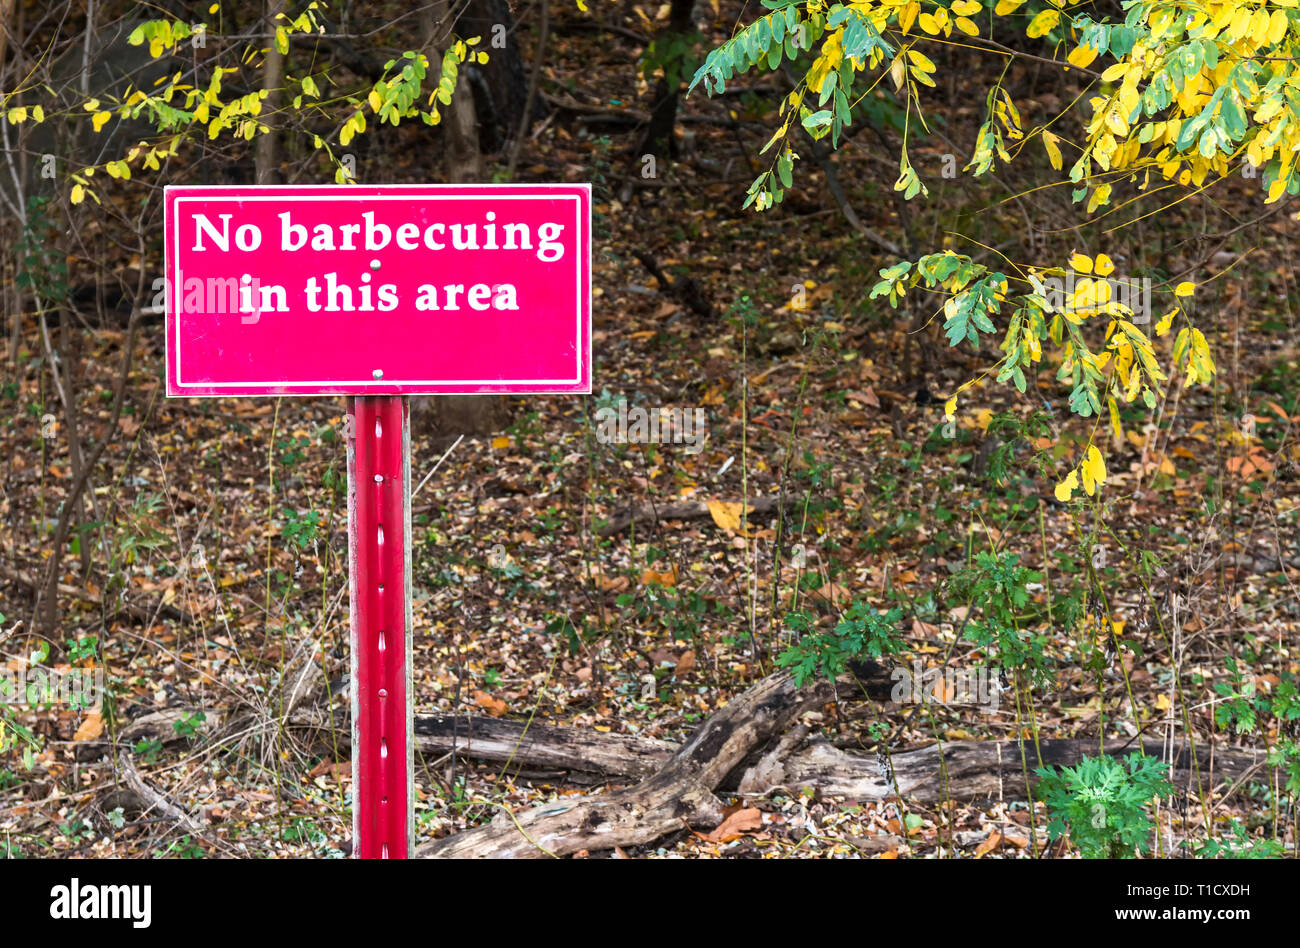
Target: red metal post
point(379, 583)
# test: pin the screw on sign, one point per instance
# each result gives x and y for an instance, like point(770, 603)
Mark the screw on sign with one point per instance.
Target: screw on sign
point(378, 293)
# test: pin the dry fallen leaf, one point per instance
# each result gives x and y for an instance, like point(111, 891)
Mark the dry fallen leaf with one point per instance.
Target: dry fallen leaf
point(90, 728)
point(734, 826)
point(924, 630)
point(650, 577)
point(990, 844)
point(614, 583)
point(493, 706)
point(685, 663)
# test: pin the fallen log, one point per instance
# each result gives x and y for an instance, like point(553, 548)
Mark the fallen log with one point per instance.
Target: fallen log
point(540, 746)
point(534, 746)
point(153, 801)
point(752, 747)
point(971, 770)
point(679, 794)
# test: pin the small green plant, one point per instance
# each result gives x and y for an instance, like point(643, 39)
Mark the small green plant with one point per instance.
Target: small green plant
point(678, 612)
point(183, 848)
point(304, 830)
point(1239, 844)
point(1009, 436)
point(77, 830)
point(189, 725)
point(1102, 803)
point(83, 648)
point(1242, 706)
point(42, 269)
point(998, 584)
point(147, 749)
point(861, 631)
point(301, 529)
point(293, 450)
point(1286, 756)
point(574, 635)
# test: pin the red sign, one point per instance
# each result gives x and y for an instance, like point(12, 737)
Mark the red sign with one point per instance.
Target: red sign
point(391, 289)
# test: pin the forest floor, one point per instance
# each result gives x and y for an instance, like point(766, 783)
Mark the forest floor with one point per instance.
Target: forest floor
point(233, 512)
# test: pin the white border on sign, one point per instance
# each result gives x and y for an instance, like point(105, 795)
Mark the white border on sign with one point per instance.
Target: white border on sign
point(372, 383)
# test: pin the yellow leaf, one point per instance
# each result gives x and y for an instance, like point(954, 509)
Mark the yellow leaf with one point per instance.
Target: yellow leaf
point(1099, 197)
point(1067, 487)
point(1093, 469)
point(1081, 262)
point(949, 407)
point(1053, 149)
point(907, 16)
point(1105, 266)
point(920, 59)
point(966, 7)
point(1043, 24)
point(97, 122)
point(726, 515)
point(1008, 6)
point(18, 114)
point(929, 24)
point(1114, 72)
point(502, 442)
point(967, 26)
point(1081, 56)
point(1162, 702)
point(1277, 27)
point(78, 194)
point(1184, 289)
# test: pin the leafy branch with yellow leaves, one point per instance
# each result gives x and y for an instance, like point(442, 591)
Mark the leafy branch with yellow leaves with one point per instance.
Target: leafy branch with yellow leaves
point(181, 110)
point(1191, 90)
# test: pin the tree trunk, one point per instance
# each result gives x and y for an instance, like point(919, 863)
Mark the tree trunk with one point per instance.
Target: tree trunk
point(500, 85)
point(268, 152)
point(463, 162)
point(658, 139)
point(444, 417)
